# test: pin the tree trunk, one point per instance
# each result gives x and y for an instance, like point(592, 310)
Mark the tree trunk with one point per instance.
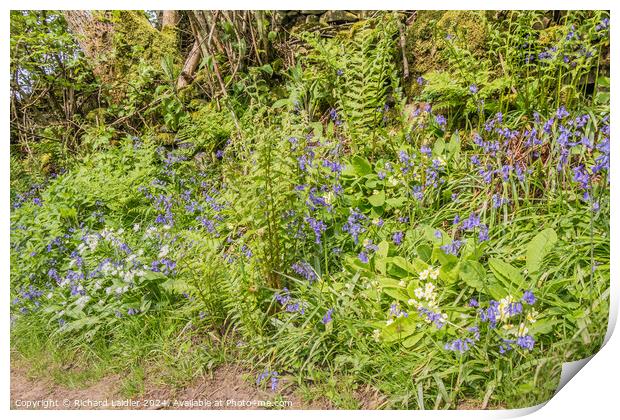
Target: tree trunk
point(170, 18)
point(94, 35)
point(190, 66)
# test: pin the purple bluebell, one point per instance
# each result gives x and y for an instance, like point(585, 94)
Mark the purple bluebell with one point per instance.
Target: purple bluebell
point(317, 226)
point(528, 297)
point(327, 318)
point(398, 237)
point(441, 121)
point(305, 270)
point(526, 342)
point(472, 222)
point(483, 234)
point(453, 247)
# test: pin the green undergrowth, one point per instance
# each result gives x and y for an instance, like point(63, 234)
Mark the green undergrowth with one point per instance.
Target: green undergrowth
point(335, 232)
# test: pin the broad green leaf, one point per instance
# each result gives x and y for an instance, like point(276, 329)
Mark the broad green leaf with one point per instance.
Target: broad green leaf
point(399, 267)
point(378, 199)
point(412, 340)
point(439, 147)
point(396, 202)
point(454, 146)
point(281, 103)
point(542, 326)
point(424, 252)
point(540, 245)
point(473, 274)
point(496, 291)
point(360, 166)
point(509, 276)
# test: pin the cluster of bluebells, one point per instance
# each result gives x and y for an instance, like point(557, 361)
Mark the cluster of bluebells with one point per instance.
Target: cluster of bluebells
point(465, 343)
point(562, 131)
point(503, 311)
point(287, 302)
point(354, 225)
point(320, 167)
point(273, 378)
point(453, 247)
point(31, 194)
point(305, 270)
point(83, 271)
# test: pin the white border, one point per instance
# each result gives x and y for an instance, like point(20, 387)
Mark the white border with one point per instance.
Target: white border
point(592, 393)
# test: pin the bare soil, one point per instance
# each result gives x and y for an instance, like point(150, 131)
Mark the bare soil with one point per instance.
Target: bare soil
point(227, 387)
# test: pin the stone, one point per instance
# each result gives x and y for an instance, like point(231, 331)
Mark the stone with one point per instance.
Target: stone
point(338, 16)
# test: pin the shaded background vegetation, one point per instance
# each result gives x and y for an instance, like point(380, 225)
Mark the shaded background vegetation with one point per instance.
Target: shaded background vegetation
point(198, 137)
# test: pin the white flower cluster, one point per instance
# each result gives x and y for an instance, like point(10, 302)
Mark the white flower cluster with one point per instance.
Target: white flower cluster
point(504, 307)
point(431, 272)
point(91, 241)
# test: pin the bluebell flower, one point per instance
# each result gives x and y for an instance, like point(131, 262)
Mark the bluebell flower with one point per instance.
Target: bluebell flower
point(453, 247)
point(426, 150)
point(317, 226)
point(418, 193)
point(363, 257)
point(353, 225)
point(304, 269)
point(473, 89)
point(581, 176)
point(483, 234)
point(528, 297)
point(507, 346)
point(398, 237)
point(561, 113)
point(461, 345)
point(526, 342)
point(327, 318)
point(431, 316)
point(472, 222)
point(282, 298)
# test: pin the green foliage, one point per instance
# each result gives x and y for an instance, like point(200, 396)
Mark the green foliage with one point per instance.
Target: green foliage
point(363, 74)
point(328, 234)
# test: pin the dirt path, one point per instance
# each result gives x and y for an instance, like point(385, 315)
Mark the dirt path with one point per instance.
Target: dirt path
point(224, 389)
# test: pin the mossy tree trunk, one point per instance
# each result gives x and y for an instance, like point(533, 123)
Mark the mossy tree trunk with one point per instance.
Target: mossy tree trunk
point(93, 32)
